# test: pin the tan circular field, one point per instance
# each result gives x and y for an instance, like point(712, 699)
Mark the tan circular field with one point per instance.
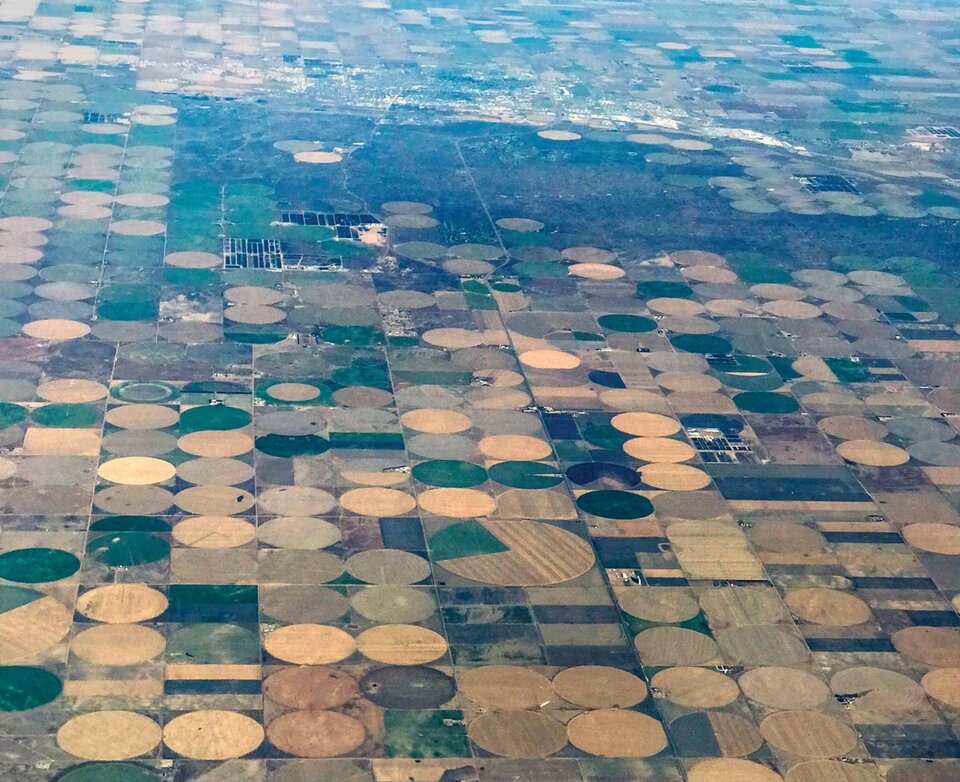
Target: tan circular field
point(776, 292)
point(293, 392)
point(213, 735)
point(453, 338)
point(376, 501)
point(935, 537)
point(309, 644)
point(731, 770)
point(872, 453)
point(122, 603)
point(193, 260)
point(400, 644)
point(117, 645)
point(223, 444)
point(142, 416)
point(559, 135)
point(617, 733)
point(681, 307)
point(457, 503)
point(943, 684)
point(596, 271)
point(674, 477)
point(661, 450)
point(645, 424)
point(56, 329)
point(214, 532)
point(795, 310)
point(109, 735)
point(436, 421)
point(881, 691)
point(549, 359)
point(705, 273)
point(507, 447)
point(212, 500)
point(318, 157)
point(137, 470)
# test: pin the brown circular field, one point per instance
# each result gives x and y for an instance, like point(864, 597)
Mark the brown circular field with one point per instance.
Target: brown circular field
point(600, 687)
point(316, 734)
point(505, 687)
point(786, 537)
point(809, 734)
point(934, 646)
point(757, 645)
point(784, 688)
point(828, 607)
point(851, 427)
point(881, 691)
point(215, 470)
point(517, 734)
point(695, 688)
point(661, 646)
point(658, 604)
point(388, 566)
